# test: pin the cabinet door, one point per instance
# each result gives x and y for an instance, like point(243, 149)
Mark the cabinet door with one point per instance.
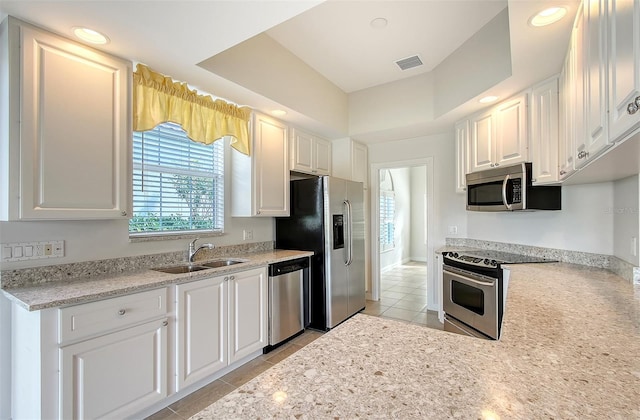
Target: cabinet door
point(247, 313)
point(75, 130)
point(322, 156)
point(271, 164)
point(359, 156)
point(511, 142)
point(482, 142)
point(544, 132)
point(596, 137)
point(201, 329)
point(462, 160)
point(567, 112)
point(624, 66)
point(115, 375)
point(302, 151)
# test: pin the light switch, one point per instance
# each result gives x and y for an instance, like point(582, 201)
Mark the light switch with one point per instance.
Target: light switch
point(28, 251)
point(6, 252)
point(17, 252)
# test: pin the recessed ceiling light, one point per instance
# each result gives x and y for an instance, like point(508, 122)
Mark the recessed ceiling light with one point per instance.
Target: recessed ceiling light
point(548, 16)
point(488, 99)
point(379, 22)
point(279, 112)
point(89, 35)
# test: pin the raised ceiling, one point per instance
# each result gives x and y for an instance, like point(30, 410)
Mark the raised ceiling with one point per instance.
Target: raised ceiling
point(334, 39)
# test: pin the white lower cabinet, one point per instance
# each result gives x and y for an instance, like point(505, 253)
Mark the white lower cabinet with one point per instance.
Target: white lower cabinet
point(119, 357)
point(220, 320)
point(115, 375)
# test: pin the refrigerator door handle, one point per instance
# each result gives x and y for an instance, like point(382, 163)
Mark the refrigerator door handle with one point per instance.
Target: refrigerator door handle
point(348, 240)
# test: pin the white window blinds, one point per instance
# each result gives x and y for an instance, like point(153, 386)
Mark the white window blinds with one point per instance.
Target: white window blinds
point(387, 220)
point(178, 184)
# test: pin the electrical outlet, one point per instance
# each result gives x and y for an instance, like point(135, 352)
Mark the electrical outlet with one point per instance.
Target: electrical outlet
point(47, 250)
point(247, 235)
point(453, 230)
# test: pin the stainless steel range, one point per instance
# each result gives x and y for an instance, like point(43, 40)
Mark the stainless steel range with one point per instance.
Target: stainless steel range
point(474, 290)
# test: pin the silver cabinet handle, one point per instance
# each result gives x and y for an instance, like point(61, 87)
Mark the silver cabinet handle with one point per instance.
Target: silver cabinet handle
point(563, 172)
point(122, 312)
point(582, 154)
point(123, 213)
point(632, 108)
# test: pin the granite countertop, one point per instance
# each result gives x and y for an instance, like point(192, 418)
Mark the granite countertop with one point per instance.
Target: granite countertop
point(570, 348)
point(81, 290)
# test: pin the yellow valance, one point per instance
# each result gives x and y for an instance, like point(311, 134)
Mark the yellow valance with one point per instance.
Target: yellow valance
point(158, 99)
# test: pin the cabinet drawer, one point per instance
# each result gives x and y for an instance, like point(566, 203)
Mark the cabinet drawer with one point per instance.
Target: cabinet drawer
point(94, 318)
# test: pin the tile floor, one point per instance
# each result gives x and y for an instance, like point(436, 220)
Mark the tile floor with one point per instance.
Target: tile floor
point(403, 297)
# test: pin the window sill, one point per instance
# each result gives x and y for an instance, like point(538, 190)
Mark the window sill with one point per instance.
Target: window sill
point(163, 236)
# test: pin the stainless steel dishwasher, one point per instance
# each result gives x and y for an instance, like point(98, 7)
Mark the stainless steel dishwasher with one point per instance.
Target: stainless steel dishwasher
point(287, 299)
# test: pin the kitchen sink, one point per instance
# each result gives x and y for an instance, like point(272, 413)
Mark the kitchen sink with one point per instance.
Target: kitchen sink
point(222, 263)
point(180, 269)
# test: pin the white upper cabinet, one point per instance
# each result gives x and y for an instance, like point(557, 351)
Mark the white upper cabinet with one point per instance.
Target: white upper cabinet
point(594, 67)
point(67, 138)
point(482, 141)
point(571, 101)
point(309, 153)
point(498, 137)
point(260, 182)
point(511, 131)
point(462, 155)
point(350, 161)
point(624, 67)
point(544, 132)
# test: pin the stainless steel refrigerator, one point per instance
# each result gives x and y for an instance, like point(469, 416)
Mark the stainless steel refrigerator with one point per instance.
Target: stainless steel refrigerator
point(327, 217)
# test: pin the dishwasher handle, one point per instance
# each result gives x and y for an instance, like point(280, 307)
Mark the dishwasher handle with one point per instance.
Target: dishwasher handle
point(287, 267)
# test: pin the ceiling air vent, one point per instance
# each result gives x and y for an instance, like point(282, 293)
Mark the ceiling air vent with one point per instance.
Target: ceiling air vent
point(409, 62)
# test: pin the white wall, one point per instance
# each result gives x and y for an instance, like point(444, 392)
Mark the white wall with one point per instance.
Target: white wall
point(449, 206)
point(625, 219)
point(418, 214)
point(585, 222)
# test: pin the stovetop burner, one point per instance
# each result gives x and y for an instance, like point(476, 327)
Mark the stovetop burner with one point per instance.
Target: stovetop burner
point(489, 258)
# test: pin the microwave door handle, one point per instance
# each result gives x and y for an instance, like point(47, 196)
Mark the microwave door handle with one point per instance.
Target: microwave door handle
point(504, 192)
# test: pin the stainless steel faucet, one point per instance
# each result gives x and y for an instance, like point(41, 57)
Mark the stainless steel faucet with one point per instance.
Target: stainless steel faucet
point(193, 250)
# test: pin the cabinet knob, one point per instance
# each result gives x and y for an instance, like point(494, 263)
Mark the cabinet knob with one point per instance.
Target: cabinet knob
point(497, 164)
point(563, 172)
point(232, 277)
point(632, 108)
point(582, 154)
point(123, 213)
point(122, 312)
point(226, 278)
point(637, 101)
point(165, 323)
point(492, 165)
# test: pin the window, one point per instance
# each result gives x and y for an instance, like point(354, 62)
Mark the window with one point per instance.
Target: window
point(178, 184)
point(387, 211)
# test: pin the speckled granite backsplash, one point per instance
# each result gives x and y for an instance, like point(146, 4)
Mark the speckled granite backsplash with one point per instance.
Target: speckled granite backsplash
point(90, 269)
point(609, 262)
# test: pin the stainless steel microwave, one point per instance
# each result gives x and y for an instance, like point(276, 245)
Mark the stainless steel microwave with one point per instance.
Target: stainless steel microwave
point(509, 188)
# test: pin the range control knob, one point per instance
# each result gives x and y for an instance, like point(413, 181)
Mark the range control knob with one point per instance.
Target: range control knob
point(487, 262)
point(494, 263)
point(454, 254)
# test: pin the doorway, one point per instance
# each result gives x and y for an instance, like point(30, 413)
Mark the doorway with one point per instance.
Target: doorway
point(402, 256)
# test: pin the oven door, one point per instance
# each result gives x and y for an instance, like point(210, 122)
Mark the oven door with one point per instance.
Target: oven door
point(472, 299)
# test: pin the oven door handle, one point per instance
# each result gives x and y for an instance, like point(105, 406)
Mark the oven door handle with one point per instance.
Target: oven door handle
point(504, 191)
point(470, 279)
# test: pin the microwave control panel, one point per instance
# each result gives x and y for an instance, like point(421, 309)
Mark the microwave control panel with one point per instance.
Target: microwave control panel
point(516, 190)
